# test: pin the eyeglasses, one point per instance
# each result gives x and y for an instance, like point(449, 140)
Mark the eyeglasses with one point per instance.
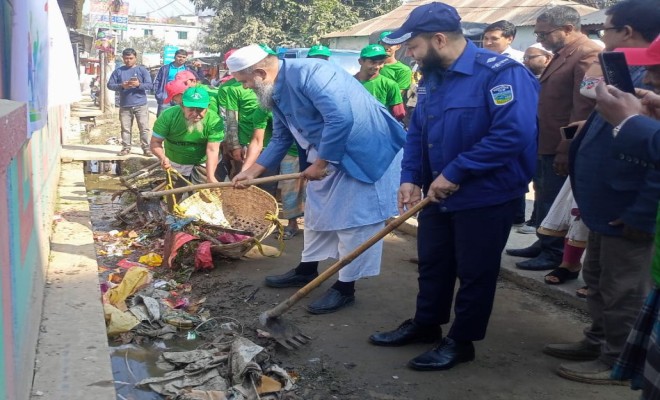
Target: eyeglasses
point(542, 35)
point(527, 58)
point(602, 32)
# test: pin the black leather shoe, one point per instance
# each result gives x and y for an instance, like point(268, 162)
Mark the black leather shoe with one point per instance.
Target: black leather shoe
point(445, 356)
point(290, 279)
point(541, 263)
point(330, 302)
point(529, 252)
point(408, 332)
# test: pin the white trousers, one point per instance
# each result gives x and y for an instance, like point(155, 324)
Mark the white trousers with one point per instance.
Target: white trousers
point(321, 245)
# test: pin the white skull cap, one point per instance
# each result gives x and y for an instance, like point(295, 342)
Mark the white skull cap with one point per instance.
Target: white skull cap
point(540, 47)
point(245, 57)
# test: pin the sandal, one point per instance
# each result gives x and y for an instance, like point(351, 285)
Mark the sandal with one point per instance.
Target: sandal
point(124, 152)
point(582, 292)
point(562, 275)
point(289, 233)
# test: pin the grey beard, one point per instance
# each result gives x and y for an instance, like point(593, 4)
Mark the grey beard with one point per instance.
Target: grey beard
point(195, 126)
point(264, 92)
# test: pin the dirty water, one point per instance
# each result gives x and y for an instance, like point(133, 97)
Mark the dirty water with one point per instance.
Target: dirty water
point(130, 363)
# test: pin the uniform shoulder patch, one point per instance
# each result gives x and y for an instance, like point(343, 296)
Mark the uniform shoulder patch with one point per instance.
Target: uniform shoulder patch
point(501, 94)
point(495, 62)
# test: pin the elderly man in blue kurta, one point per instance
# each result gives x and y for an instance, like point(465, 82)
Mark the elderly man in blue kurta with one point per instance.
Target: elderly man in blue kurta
point(353, 145)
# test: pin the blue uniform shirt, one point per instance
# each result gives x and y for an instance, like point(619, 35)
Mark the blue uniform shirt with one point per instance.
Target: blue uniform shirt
point(476, 124)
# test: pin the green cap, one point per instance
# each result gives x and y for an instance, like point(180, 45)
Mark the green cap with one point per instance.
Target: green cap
point(319, 50)
point(383, 34)
point(267, 49)
point(196, 97)
point(373, 50)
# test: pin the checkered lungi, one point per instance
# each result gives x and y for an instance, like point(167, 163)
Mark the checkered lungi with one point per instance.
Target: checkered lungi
point(640, 359)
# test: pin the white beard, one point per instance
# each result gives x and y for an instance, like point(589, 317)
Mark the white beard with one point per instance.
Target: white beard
point(264, 92)
point(195, 126)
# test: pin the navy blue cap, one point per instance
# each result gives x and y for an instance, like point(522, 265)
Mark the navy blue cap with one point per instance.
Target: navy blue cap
point(432, 17)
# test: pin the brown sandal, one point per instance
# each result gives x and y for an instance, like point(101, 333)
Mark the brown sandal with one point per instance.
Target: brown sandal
point(582, 292)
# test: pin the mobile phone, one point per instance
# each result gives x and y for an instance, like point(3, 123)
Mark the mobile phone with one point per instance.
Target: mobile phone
point(133, 78)
point(615, 70)
point(568, 132)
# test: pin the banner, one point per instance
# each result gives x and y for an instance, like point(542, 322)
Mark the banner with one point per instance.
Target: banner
point(109, 14)
point(105, 40)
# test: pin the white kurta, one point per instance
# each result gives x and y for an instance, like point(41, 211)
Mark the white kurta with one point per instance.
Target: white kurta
point(341, 213)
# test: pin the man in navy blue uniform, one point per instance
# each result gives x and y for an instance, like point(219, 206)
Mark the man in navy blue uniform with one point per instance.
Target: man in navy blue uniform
point(471, 147)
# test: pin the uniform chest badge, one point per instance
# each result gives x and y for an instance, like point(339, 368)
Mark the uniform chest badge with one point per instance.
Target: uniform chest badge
point(502, 94)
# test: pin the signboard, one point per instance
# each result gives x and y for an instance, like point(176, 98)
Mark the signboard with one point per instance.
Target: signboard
point(168, 54)
point(109, 14)
point(150, 59)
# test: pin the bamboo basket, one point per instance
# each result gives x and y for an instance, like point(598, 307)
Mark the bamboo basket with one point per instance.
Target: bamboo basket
point(251, 209)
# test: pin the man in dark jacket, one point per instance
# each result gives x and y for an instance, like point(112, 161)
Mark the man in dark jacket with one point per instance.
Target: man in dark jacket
point(166, 74)
point(618, 200)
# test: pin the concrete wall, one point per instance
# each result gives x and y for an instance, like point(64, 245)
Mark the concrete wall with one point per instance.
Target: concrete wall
point(348, 42)
point(29, 172)
point(167, 32)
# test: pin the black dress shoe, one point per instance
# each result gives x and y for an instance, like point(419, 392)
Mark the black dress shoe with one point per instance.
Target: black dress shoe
point(445, 356)
point(290, 279)
point(408, 332)
point(541, 263)
point(330, 302)
point(529, 252)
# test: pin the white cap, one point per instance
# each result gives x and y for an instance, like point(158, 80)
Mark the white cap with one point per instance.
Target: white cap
point(245, 57)
point(540, 47)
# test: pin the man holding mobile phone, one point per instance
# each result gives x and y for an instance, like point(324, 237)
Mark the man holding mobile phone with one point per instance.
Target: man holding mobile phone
point(618, 201)
point(132, 82)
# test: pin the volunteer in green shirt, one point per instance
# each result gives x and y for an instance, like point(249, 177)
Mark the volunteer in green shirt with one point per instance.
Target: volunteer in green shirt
point(319, 51)
point(187, 137)
point(393, 69)
point(292, 192)
point(385, 90)
point(236, 104)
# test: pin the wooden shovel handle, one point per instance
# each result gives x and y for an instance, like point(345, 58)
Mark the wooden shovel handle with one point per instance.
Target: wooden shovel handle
point(304, 291)
point(192, 188)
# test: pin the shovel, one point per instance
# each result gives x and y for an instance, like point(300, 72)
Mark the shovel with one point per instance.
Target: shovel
point(287, 334)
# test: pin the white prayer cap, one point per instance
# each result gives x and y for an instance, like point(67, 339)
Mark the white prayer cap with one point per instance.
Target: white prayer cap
point(245, 57)
point(540, 47)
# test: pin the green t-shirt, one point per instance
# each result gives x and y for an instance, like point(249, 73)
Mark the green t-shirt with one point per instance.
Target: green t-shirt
point(213, 98)
point(384, 90)
point(181, 146)
point(232, 96)
point(399, 73)
point(655, 267)
point(263, 119)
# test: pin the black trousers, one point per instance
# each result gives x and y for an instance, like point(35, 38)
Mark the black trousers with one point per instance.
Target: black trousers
point(466, 245)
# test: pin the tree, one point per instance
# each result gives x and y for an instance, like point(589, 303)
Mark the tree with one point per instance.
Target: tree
point(146, 44)
point(283, 22)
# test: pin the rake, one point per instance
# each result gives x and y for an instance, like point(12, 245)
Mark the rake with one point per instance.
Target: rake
point(286, 333)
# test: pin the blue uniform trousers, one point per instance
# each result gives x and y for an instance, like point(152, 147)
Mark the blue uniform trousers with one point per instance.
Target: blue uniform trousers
point(466, 245)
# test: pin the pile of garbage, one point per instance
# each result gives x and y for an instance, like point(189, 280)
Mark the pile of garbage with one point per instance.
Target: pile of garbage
point(238, 370)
